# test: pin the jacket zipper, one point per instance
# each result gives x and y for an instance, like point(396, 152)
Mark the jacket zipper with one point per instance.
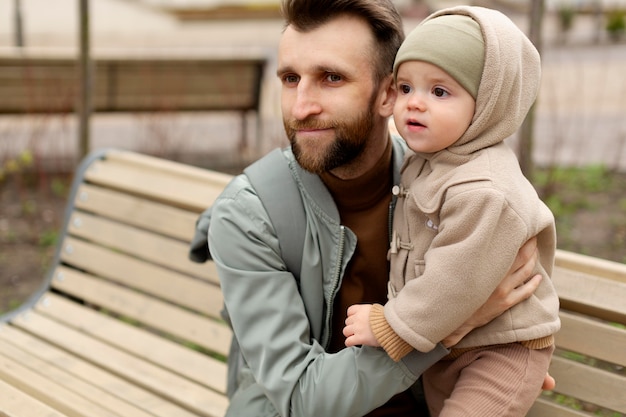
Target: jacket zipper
point(336, 274)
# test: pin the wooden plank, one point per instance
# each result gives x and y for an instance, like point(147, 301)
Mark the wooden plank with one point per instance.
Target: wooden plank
point(183, 85)
point(188, 394)
point(34, 82)
point(148, 311)
point(186, 188)
point(15, 403)
point(37, 85)
point(148, 246)
point(212, 179)
point(592, 338)
point(589, 384)
point(202, 296)
point(85, 371)
point(156, 349)
point(136, 211)
point(591, 265)
point(56, 377)
point(547, 408)
point(591, 295)
point(49, 392)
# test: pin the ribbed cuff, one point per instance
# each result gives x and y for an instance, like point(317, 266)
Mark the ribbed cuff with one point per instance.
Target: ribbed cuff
point(393, 344)
point(538, 344)
point(535, 344)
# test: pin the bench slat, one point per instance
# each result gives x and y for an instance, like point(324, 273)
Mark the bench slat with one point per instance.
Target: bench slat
point(47, 391)
point(195, 294)
point(85, 371)
point(589, 383)
point(160, 166)
point(591, 294)
point(546, 408)
point(158, 249)
point(159, 315)
point(583, 335)
point(50, 377)
point(37, 83)
point(156, 349)
point(190, 395)
point(182, 188)
point(137, 212)
point(16, 403)
point(592, 266)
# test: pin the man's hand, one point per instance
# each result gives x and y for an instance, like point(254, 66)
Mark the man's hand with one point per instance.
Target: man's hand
point(516, 286)
point(548, 383)
point(358, 330)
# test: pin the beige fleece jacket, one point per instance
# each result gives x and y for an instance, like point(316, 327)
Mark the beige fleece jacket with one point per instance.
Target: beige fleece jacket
point(464, 212)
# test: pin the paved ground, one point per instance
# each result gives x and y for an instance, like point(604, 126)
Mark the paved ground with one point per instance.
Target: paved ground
point(580, 110)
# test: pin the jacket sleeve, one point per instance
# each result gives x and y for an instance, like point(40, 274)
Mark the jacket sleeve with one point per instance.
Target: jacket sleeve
point(290, 368)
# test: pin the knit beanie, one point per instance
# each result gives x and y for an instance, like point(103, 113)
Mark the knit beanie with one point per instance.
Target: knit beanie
point(453, 42)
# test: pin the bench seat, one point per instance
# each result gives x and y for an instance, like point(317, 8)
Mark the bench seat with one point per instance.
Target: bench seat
point(126, 325)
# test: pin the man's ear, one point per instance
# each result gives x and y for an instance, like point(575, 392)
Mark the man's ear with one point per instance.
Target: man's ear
point(387, 96)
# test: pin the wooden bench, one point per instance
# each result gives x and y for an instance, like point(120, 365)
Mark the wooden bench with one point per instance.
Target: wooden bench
point(34, 82)
point(590, 362)
point(126, 325)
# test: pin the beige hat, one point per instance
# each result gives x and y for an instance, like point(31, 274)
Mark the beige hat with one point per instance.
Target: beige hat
point(452, 42)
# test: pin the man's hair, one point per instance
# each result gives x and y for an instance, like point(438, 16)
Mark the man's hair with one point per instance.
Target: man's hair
point(381, 15)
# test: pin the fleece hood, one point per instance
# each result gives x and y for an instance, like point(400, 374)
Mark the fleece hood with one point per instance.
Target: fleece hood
point(509, 83)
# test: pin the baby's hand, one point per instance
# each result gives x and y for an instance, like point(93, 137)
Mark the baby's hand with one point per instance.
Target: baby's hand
point(358, 330)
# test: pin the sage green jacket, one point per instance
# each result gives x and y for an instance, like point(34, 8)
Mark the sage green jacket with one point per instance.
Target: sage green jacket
point(283, 328)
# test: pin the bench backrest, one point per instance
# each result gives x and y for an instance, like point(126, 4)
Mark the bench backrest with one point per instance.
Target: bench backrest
point(35, 83)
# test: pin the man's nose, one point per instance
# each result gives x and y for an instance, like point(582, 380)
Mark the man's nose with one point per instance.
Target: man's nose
point(307, 101)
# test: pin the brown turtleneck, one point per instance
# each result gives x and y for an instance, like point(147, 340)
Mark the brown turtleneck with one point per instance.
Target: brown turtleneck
point(363, 205)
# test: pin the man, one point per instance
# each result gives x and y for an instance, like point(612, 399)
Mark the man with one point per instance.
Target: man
point(334, 62)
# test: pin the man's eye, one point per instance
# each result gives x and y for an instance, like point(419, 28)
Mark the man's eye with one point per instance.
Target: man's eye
point(333, 78)
point(290, 79)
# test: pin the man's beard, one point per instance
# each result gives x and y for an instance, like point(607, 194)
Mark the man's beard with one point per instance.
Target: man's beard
point(351, 137)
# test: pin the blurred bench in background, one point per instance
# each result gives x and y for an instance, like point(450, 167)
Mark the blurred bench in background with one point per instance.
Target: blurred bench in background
point(212, 80)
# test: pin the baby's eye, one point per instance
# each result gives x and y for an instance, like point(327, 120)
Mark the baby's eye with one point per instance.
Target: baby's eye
point(404, 88)
point(439, 92)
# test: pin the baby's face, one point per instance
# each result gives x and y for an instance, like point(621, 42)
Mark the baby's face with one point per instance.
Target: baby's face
point(432, 110)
